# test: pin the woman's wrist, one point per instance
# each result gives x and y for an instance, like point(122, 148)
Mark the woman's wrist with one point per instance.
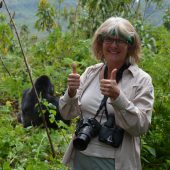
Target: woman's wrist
point(71, 93)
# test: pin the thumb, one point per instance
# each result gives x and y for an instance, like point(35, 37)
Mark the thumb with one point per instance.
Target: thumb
point(74, 67)
point(113, 74)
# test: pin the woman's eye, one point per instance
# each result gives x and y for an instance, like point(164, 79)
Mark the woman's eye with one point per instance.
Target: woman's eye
point(108, 40)
point(116, 41)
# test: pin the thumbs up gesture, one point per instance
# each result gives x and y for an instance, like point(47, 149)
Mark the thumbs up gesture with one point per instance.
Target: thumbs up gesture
point(109, 87)
point(73, 81)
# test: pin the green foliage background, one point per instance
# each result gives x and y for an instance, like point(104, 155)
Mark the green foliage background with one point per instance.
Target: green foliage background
point(29, 148)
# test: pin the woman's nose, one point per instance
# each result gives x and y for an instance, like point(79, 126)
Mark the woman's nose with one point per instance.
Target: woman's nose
point(114, 43)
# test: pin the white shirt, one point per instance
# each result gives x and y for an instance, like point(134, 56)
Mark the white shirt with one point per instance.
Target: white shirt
point(90, 103)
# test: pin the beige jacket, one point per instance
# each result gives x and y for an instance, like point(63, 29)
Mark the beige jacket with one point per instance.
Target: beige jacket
point(133, 111)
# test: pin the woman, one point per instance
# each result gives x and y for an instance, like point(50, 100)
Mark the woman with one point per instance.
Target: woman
point(128, 91)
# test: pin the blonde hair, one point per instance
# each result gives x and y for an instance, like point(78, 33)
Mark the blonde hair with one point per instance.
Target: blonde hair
point(120, 27)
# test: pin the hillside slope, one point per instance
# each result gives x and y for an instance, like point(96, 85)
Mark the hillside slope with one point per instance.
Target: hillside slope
point(25, 11)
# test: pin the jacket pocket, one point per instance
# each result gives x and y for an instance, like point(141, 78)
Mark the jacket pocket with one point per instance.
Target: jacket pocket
point(130, 91)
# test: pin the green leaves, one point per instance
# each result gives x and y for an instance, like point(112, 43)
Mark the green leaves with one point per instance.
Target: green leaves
point(6, 36)
point(166, 19)
point(6, 166)
point(157, 64)
point(29, 148)
point(45, 16)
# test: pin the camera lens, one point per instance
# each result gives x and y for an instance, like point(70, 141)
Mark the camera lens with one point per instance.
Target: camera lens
point(81, 142)
point(83, 138)
point(86, 130)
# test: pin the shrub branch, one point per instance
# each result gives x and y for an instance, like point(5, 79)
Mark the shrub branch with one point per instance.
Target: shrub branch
point(30, 77)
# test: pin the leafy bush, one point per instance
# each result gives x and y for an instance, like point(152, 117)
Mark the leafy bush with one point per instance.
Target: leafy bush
point(158, 66)
point(29, 148)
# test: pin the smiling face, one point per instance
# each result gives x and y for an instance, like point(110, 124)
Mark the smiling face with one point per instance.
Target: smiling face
point(116, 28)
point(114, 50)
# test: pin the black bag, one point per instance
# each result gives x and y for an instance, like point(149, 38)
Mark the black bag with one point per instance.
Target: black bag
point(110, 133)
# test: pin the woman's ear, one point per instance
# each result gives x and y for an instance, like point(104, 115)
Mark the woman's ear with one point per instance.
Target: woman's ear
point(129, 50)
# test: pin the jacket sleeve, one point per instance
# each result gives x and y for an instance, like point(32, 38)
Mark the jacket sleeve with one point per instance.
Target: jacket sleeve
point(69, 107)
point(135, 116)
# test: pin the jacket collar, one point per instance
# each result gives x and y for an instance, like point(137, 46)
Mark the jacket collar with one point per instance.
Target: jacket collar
point(133, 69)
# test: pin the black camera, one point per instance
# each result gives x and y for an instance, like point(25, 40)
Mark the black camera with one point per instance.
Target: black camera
point(110, 133)
point(85, 130)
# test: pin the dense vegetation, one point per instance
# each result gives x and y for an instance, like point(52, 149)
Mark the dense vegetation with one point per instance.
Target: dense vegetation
point(29, 148)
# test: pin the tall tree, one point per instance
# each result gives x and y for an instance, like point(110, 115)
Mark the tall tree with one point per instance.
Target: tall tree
point(45, 16)
point(91, 13)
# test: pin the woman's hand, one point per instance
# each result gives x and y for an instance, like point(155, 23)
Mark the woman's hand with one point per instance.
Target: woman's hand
point(73, 81)
point(109, 87)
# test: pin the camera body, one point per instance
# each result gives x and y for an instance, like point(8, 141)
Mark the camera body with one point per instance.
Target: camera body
point(85, 130)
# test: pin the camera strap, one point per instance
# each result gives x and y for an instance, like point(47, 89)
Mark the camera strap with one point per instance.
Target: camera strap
point(103, 108)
